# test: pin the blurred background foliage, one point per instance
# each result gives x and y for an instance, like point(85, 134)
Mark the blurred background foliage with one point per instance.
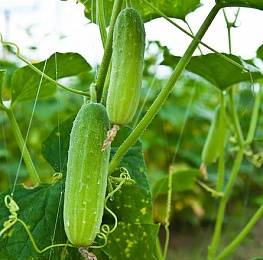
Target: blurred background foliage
point(173, 142)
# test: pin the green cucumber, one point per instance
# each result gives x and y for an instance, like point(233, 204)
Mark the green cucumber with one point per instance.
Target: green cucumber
point(127, 67)
point(86, 179)
point(215, 138)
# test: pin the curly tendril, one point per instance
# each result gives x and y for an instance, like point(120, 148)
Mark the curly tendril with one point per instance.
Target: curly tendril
point(104, 230)
point(13, 218)
point(57, 176)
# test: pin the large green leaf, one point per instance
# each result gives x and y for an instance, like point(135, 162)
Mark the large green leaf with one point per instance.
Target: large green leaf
point(182, 180)
point(173, 8)
point(26, 82)
point(258, 4)
point(215, 69)
point(55, 147)
point(38, 208)
point(260, 52)
point(41, 209)
point(132, 240)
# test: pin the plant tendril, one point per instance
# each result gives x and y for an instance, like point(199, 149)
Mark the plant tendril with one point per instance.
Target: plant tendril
point(12, 219)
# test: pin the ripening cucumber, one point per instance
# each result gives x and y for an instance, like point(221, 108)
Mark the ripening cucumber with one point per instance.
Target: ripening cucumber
point(127, 67)
point(86, 179)
point(215, 138)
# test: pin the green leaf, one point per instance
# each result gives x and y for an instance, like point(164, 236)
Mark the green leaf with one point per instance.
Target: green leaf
point(133, 241)
point(260, 52)
point(26, 82)
point(55, 147)
point(38, 208)
point(258, 4)
point(182, 180)
point(172, 8)
point(215, 69)
point(2, 78)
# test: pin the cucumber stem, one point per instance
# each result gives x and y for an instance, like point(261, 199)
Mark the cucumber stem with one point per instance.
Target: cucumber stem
point(254, 118)
point(242, 235)
point(100, 20)
point(108, 50)
point(22, 146)
point(222, 206)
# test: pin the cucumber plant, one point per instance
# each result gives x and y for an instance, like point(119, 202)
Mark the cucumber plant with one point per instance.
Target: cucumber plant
point(91, 180)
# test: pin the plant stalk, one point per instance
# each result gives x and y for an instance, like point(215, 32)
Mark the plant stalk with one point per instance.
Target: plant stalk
point(221, 161)
point(222, 205)
point(108, 50)
point(100, 17)
point(237, 126)
point(22, 146)
point(254, 118)
point(242, 235)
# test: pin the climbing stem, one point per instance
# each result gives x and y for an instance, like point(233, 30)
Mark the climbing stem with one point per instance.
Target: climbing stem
point(155, 107)
point(222, 205)
point(168, 213)
point(254, 118)
point(159, 249)
point(221, 161)
point(100, 17)
point(22, 146)
point(237, 126)
point(108, 50)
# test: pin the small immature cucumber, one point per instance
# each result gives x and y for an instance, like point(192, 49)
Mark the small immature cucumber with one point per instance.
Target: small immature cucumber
point(127, 67)
point(215, 138)
point(86, 179)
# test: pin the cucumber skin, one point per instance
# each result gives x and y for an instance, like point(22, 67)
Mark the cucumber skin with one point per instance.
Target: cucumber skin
point(215, 137)
point(86, 179)
point(127, 67)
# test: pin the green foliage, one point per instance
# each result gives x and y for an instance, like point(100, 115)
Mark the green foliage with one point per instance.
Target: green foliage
point(55, 147)
point(182, 180)
point(215, 69)
point(242, 3)
point(39, 209)
point(132, 205)
point(176, 138)
point(26, 83)
point(260, 52)
point(133, 239)
point(178, 8)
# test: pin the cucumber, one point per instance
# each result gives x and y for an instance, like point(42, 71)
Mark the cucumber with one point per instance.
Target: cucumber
point(127, 67)
point(215, 138)
point(86, 179)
